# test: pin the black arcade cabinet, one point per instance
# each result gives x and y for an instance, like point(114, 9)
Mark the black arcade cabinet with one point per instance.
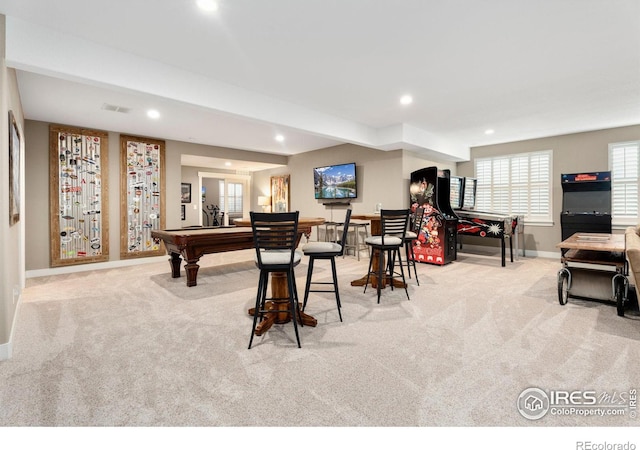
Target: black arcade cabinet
point(436, 243)
point(586, 203)
point(450, 219)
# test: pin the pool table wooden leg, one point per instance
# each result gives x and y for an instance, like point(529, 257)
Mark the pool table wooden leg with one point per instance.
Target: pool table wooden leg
point(175, 261)
point(191, 267)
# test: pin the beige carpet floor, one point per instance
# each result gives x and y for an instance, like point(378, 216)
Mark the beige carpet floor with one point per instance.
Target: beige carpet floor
point(134, 347)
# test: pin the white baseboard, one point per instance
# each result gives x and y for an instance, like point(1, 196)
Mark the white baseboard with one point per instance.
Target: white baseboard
point(93, 266)
point(6, 350)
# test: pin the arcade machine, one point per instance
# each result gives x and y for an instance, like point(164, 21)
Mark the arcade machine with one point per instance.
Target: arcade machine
point(484, 224)
point(436, 243)
point(450, 217)
point(586, 203)
point(593, 266)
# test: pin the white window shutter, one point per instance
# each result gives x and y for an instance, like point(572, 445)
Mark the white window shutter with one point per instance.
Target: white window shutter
point(623, 163)
point(516, 184)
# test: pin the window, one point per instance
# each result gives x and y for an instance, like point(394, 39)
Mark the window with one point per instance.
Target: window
point(234, 196)
point(623, 163)
point(516, 184)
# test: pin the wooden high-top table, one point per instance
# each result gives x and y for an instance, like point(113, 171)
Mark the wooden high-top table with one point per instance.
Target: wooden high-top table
point(279, 308)
point(376, 230)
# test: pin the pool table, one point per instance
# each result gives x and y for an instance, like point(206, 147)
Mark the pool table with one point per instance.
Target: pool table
point(192, 243)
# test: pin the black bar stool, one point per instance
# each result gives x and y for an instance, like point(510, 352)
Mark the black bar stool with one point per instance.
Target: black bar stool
point(325, 250)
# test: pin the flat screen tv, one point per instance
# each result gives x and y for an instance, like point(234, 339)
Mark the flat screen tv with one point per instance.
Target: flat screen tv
point(335, 182)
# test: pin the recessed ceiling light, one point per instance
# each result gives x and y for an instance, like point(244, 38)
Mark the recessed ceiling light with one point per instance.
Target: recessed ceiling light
point(153, 114)
point(406, 100)
point(207, 5)
point(228, 164)
point(489, 131)
point(279, 138)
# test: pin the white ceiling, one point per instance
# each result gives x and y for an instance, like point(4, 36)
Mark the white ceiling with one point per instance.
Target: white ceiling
point(325, 72)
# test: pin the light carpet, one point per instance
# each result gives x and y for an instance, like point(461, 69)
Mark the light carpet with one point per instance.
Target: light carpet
point(134, 347)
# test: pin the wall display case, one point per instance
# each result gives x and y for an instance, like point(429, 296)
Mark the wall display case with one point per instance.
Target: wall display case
point(142, 204)
point(78, 196)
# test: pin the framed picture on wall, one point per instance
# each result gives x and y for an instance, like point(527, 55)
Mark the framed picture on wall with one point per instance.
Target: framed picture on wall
point(14, 171)
point(183, 215)
point(78, 198)
point(185, 192)
point(280, 193)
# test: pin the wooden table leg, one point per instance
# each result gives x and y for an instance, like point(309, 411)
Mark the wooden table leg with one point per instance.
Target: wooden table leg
point(278, 309)
point(191, 267)
point(373, 279)
point(175, 262)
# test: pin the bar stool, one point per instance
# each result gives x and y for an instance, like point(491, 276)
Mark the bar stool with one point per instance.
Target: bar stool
point(325, 250)
point(275, 236)
point(394, 227)
point(331, 228)
point(360, 232)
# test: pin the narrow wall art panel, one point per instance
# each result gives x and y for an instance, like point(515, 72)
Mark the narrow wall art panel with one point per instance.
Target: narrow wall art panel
point(142, 179)
point(78, 195)
point(14, 170)
point(280, 196)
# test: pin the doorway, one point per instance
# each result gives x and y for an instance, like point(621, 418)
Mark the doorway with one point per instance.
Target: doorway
point(224, 197)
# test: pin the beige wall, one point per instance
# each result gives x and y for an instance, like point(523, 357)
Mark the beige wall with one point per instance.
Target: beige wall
point(37, 191)
point(383, 177)
point(572, 153)
point(12, 237)
point(412, 161)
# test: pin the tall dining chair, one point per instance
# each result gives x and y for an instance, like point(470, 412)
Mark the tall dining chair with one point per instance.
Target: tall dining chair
point(326, 250)
point(275, 237)
point(394, 224)
point(415, 223)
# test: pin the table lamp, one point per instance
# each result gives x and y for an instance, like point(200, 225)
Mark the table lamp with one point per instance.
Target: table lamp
point(265, 202)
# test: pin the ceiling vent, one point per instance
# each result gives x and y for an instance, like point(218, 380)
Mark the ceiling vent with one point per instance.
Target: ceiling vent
point(120, 109)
